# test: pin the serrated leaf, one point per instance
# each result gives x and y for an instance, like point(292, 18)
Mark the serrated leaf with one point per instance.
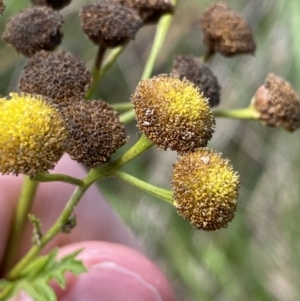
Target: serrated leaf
point(34, 279)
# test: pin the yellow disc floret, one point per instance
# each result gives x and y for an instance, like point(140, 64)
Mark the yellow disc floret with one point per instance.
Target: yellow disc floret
point(205, 189)
point(173, 113)
point(33, 134)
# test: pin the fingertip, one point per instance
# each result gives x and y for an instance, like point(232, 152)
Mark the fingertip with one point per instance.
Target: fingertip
point(115, 273)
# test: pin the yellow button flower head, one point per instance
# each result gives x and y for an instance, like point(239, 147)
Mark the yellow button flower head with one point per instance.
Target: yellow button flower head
point(205, 189)
point(173, 113)
point(33, 135)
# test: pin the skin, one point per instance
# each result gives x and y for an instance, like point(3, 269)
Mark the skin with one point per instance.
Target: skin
point(117, 269)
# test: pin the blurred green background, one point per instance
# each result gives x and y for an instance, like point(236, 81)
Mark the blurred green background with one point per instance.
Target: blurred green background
point(257, 256)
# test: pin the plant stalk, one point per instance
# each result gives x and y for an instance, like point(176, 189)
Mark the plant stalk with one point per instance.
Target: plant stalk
point(19, 220)
point(244, 113)
point(163, 194)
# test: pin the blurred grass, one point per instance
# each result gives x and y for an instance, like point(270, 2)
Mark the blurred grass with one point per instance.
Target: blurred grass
point(257, 257)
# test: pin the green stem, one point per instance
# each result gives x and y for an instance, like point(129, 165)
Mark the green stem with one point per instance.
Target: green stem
point(56, 228)
point(120, 107)
point(161, 32)
point(19, 220)
point(107, 170)
point(244, 113)
point(208, 55)
point(139, 147)
point(163, 194)
point(98, 73)
point(94, 175)
point(57, 177)
point(127, 116)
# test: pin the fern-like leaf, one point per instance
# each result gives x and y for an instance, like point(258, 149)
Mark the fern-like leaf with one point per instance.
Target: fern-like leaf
point(34, 279)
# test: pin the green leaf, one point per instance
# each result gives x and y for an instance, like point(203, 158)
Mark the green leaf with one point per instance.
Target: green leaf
point(34, 279)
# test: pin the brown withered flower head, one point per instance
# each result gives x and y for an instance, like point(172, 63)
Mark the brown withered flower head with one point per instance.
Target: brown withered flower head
point(109, 24)
point(205, 189)
point(34, 29)
point(96, 131)
point(278, 104)
point(55, 4)
point(2, 7)
point(200, 75)
point(225, 31)
point(57, 75)
point(149, 10)
point(172, 113)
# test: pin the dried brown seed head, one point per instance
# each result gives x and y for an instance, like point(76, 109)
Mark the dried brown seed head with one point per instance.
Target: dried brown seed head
point(109, 24)
point(55, 4)
point(205, 189)
point(58, 75)
point(34, 29)
point(2, 7)
point(96, 131)
point(225, 31)
point(172, 113)
point(149, 10)
point(278, 104)
point(200, 75)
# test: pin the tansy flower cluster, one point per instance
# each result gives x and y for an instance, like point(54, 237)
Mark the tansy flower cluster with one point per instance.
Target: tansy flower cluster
point(174, 114)
point(36, 132)
point(59, 109)
point(51, 116)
